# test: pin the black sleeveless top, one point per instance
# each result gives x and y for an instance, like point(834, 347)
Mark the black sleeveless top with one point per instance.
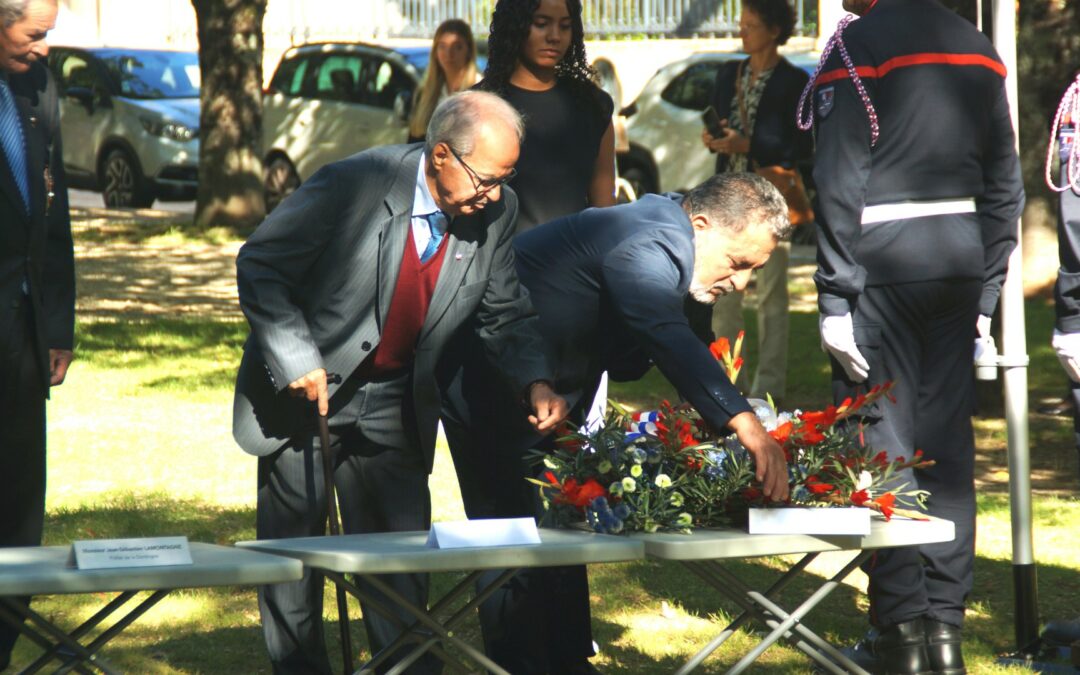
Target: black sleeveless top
point(563, 129)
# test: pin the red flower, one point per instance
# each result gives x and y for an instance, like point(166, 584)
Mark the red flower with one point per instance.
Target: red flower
point(885, 504)
point(720, 349)
point(881, 459)
point(822, 419)
point(781, 433)
point(815, 486)
point(859, 497)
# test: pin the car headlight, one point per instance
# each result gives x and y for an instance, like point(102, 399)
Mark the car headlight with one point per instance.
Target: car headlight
point(173, 130)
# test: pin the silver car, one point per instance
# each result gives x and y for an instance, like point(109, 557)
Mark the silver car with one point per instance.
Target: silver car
point(130, 122)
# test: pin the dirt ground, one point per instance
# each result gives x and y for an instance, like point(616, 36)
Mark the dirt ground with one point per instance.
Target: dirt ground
point(131, 267)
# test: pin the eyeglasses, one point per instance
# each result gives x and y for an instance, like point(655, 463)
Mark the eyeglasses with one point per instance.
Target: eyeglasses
point(482, 185)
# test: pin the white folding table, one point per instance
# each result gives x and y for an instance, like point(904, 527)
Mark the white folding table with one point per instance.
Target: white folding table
point(702, 552)
point(43, 571)
point(370, 555)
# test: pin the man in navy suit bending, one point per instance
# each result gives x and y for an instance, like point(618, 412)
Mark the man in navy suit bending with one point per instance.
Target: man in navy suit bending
point(609, 285)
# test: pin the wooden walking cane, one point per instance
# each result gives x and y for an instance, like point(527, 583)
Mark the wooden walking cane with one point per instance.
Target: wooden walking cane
point(335, 526)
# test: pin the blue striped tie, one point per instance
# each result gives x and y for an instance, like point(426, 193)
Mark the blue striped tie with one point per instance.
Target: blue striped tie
point(436, 221)
point(12, 141)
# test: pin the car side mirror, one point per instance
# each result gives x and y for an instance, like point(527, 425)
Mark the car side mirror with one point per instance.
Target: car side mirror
point(83, 95)
point(403, 105)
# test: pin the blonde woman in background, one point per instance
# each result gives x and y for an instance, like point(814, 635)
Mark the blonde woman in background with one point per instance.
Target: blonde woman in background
point(451, 68)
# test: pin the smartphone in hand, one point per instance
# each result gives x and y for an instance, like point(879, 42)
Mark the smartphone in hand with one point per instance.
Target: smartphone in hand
point(713, 123)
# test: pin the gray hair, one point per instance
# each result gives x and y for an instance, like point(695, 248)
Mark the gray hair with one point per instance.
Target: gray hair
point(458, 119)
point(735, 200)
point(11, 11)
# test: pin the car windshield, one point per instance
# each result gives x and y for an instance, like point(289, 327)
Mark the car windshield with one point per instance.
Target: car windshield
point(149, 75)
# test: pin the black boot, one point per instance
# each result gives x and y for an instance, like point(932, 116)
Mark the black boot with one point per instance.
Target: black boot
point(902, 648)
point(943, 646)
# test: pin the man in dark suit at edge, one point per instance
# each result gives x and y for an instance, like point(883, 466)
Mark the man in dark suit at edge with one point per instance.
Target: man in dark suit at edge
point(37, 270)
point(366, 271)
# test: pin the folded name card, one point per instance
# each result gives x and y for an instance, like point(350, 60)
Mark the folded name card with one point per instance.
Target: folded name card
point(97, 554)
point(483, 532)
point(810, 520)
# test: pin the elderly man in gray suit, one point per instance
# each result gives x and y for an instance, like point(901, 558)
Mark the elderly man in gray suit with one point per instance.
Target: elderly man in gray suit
point(366, 271)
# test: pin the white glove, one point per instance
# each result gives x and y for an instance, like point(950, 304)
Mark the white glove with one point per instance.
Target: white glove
point(1067, 346)
point(983, 337)
point(838, 336)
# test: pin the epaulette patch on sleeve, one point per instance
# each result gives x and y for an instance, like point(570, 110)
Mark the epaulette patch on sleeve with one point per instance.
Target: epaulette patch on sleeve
point(825, 98)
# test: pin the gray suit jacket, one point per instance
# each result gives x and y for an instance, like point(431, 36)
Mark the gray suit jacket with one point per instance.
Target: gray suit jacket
point(316, 279)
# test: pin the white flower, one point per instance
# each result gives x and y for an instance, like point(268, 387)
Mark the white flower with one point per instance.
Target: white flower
point(865, 481)
point(629, 484)
point(604, 466)
point(663, 481)
point(636, 470)
point(550, 463)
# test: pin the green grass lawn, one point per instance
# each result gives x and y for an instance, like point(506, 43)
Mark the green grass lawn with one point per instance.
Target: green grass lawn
point(139, 444)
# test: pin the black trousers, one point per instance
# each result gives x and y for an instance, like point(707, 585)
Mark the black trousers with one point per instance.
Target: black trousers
point(381, 482)
point(22, 440)
point(539, 621)
point(921, 337)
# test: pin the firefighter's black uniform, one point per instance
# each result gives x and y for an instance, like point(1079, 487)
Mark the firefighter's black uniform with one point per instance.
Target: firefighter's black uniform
point(915, 284)
point(1067, 288)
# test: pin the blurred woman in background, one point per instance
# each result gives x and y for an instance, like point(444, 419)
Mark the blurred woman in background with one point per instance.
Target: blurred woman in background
point(451, 68)
point(755, 100)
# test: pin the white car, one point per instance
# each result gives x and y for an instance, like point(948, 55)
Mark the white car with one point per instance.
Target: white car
point(327, 101)
point(664, 124)
point(130, 122)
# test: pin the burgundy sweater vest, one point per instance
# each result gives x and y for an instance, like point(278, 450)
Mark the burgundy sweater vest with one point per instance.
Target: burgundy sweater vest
point(408, 309)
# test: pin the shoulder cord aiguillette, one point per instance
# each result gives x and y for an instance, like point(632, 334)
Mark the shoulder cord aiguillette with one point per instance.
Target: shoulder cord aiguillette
point(1069, 112)
point(806, 121)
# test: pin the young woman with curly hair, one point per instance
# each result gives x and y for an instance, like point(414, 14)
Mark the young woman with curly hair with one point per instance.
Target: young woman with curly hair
point(451, 68)
point(539, 622)
point(536, 61)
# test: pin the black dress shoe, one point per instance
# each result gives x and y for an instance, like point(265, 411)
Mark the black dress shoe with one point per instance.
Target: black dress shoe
point(896, 650)
point(1061, 633)
point(943, 647)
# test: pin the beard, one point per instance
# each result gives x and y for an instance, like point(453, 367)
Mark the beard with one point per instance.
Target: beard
point(708, 295)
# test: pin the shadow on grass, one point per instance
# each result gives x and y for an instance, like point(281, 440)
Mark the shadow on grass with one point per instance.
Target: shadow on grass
point(134, 226)
point(161, 343)
point(147, 515)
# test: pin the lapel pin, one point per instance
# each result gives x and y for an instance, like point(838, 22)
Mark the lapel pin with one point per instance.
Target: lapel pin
point(457, 256)
point(33, 121)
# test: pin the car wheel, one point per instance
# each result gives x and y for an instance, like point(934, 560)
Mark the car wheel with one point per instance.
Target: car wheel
point(639, 179)
point(122, 182)
point(279, 181)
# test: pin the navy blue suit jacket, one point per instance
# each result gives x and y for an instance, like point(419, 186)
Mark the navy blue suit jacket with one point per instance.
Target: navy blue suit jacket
point(609, 286)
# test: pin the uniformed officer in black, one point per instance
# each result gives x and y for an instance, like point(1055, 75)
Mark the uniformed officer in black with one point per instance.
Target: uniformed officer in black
point(1066, 337)
point(919, 193)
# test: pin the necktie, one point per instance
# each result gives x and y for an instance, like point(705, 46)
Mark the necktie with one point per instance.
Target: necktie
point(12, 141)
point(437, 222)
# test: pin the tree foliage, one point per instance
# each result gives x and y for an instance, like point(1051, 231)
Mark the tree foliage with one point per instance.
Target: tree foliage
point(230, 190)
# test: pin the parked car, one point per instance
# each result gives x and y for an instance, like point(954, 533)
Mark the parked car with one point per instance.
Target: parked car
point(130, 122)
point(664, 124)
point(329, 100)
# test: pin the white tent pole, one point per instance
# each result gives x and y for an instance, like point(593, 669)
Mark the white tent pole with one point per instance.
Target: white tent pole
point(1014, 362)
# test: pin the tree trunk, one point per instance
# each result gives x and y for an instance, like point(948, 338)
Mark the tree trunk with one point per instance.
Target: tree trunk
point(230, 190)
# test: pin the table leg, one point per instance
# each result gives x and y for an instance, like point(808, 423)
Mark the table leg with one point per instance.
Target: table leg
point(703, 572)
point(433, 625)
point(799, 612)
point(85, 627)
point(57, 636)
point(60, 639)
